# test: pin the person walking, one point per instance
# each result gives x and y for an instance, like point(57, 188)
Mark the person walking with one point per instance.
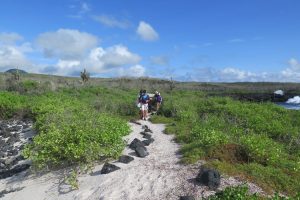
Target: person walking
point(158, 100)
point(144, 104)
point(139, 103)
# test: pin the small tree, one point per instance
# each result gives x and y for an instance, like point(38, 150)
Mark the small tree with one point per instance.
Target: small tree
point(16, 74)
point(172, 84)
point(84, 76)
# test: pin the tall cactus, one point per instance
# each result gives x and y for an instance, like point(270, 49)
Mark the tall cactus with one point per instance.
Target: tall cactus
point(84, 76)
point(16, 75)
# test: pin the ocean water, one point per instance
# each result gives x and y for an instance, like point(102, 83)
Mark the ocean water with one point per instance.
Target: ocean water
point(291, 106)
point(292, 103)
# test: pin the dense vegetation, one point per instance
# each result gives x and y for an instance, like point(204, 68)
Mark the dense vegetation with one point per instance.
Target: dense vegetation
point(76, 127)
point(257, 141)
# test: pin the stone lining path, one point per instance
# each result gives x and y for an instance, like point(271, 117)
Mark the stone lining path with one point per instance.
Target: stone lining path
point(156, 176)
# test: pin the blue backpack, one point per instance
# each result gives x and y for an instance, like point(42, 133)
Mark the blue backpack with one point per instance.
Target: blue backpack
point(144, 98)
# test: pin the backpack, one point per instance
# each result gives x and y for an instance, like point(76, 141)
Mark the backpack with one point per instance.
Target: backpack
point(144, 98)
point(158, 98)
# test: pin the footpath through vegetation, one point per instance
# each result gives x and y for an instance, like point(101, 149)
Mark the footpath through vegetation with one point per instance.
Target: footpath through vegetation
point(258, 142)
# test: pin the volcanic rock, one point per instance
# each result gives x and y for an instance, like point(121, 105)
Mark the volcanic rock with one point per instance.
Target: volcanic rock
point(141, 152)
point(209, 177)
point(187, 198)
point(13, 171)
point(108, 168)
point(136, 143)
point(125, 159)
point(148, 141)
point(147, 136)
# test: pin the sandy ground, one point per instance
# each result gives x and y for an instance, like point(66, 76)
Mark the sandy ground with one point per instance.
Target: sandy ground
point(157, 176)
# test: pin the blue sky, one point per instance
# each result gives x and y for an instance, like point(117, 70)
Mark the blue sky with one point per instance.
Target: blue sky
point(192, 40)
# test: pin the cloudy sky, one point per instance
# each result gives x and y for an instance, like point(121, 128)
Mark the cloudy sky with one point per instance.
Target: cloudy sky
point(188, 40)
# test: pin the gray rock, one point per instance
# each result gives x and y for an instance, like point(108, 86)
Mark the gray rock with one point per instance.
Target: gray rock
point(144, 127)
point(125, 159)
point(148, 142)
point(141, 152)
point(147, 136)
point(209, 177)
point(187, 198)
point(136, 143)
point(148, 130)
point(13, 171)
point(108, 168)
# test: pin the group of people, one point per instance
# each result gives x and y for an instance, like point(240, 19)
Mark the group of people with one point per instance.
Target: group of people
point(146, 101)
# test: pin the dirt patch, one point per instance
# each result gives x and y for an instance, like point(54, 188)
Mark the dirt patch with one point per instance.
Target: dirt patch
point(231, 153)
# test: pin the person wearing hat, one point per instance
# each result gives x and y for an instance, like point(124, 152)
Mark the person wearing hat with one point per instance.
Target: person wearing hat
point(144, 104)
point(158, 100)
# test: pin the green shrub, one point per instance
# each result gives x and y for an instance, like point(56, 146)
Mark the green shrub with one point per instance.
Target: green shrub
point(11, 104)
point(236, 193)
point(71, 132)
point(258, 134)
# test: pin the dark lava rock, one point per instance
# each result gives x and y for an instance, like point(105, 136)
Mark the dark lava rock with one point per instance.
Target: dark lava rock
point(5, 148)
point(147, 136)
point(148, 130)
point(148, 142)
point(136, 143)
point(13, 171)
point(9, 162)
point(187, 198)
point(125, 159)
point(14, 128)
point(2, 142)
point(20, 157)
point(4, 192)
point(11, 140)
point(107, 168)
point(209, 177)
point(3, 154)
point(141, 152)
point(5, 133)
point(144, 127)
point(142, 133)
point(12, 152)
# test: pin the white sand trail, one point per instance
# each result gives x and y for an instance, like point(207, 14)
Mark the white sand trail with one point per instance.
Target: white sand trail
point(157, 176)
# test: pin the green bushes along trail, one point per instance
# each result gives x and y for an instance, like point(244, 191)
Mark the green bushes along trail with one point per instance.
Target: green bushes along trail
point(71, 129)
point(259, 142)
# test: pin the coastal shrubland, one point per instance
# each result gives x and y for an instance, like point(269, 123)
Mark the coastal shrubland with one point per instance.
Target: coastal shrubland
point(73, 128)
point(256, 141)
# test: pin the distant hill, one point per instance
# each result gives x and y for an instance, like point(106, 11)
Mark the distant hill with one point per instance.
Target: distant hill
point(14, 70)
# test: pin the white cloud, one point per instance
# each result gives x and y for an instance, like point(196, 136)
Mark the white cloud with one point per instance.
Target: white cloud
point(110, 21)
point(12, 57)
point(159, 60)
point(133, 71)
point(292, 72)
point(146, 32)
point(66, 43)
point(10, 38)
point(232, 74)
point(112, 57)
point(236, 40)
point(99, 60)
point(81, 10)
point(137, 70)
point(85, 7)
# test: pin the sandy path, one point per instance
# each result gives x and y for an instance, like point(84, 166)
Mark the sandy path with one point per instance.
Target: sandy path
point(158, 176)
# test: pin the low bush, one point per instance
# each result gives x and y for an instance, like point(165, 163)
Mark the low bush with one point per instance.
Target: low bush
point(71, 132)
point(238, 137)
point(11, 104)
